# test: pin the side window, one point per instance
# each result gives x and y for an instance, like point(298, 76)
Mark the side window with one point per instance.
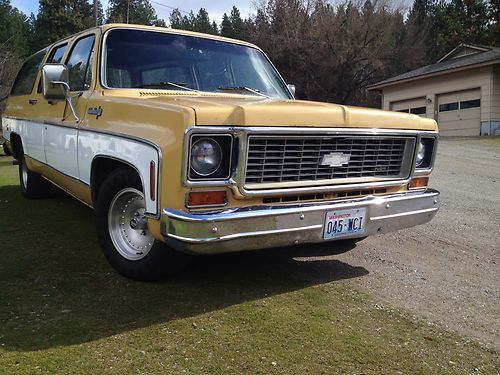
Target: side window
point(55, 57)
point(79, 64)
point(57, 54)
point(23, 85)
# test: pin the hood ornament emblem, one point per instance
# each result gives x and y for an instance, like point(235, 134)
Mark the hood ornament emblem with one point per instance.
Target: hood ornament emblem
point(335, 159)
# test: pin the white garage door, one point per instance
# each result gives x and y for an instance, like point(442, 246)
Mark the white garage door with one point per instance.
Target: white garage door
point(416, 106)
point(460, 113)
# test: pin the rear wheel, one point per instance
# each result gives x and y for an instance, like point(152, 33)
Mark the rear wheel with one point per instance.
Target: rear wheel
point(123, 231)
point(32, 185)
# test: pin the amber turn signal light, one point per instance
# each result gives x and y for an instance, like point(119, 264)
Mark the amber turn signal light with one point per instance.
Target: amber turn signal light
point(418, 182)
point(206, 198)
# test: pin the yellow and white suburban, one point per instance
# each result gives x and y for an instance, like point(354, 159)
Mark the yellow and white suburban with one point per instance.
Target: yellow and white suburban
point(185, 143)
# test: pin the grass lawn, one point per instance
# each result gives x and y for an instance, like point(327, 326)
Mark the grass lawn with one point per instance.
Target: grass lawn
point(63, 310)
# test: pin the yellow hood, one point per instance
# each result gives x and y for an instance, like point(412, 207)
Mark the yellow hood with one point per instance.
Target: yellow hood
point(250, 111)
point(244, 110)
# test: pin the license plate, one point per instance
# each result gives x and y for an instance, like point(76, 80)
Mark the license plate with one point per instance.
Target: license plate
point(343, 223)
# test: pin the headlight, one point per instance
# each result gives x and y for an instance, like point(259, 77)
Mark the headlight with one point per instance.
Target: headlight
point(421, 153)
point(206, 156)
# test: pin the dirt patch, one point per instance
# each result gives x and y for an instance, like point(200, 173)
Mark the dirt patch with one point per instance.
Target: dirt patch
point(448, 269)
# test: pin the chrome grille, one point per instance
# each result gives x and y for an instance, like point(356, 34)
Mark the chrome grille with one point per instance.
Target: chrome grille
point(298, 159)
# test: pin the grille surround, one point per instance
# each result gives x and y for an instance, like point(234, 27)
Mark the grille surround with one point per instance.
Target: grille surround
point(291, 160)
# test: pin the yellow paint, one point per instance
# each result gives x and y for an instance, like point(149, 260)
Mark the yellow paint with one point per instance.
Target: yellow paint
point(162, 117)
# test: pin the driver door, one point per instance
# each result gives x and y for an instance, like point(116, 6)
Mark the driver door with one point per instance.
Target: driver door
point(61, 131)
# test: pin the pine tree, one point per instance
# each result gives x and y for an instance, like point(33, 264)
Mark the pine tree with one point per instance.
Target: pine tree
point(14, 28)
point(226, 28)
point(57, 19)
point(139, 12)
point(237, 25)
point(233, 26)
point(202, 23)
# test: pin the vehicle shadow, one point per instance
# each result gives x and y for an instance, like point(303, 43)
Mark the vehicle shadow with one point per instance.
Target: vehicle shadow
point(56, 288)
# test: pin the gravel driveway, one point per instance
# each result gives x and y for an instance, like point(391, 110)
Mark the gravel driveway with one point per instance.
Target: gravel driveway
point(448, 269)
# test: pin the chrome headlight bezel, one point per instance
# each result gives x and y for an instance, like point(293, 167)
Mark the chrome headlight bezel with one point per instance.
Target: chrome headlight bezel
point(425, 153)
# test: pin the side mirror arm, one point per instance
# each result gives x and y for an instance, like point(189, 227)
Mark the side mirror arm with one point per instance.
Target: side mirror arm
point(68, 98)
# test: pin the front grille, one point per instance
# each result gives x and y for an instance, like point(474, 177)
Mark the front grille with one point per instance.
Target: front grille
point(298, 159)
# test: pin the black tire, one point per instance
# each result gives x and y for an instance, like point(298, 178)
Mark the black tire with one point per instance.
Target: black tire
point(6, 150)
point(32, 185)
point(158, 261)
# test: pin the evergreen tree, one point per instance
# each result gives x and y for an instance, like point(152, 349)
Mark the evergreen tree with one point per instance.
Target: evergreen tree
point(139, 12)
point(57, 19)
point(226, 28)
point(176, 19)
point(233, 26)
point(14, 29)
point(202, 23)
point(460, 21)
point(238, 27)
point(199, 22)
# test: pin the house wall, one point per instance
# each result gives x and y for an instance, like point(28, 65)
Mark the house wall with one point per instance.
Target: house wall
point(487, 79)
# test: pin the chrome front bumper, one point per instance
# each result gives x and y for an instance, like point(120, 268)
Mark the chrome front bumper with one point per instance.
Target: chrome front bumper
point(262, 227)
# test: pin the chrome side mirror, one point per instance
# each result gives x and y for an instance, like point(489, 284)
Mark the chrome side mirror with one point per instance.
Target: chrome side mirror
point(291, 88)
point(55, 78)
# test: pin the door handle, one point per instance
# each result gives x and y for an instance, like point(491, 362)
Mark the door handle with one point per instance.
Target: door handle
point(33, 101)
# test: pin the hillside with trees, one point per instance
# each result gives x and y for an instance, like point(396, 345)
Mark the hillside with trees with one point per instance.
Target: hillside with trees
point(330, 50)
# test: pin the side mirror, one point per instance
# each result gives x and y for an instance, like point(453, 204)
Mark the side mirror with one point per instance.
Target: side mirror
point(55, 78)
point(291, 88)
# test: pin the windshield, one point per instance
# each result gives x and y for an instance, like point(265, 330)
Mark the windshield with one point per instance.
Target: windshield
point(140, 59)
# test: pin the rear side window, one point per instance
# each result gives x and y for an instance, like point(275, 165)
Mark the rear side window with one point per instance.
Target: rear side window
point(79, 65)
point(57, 54)
point(23, 85)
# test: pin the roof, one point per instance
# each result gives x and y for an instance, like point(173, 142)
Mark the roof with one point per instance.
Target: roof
point(110, 26)
point(447, 64)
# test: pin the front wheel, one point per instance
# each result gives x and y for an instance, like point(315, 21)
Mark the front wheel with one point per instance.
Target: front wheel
point(123, 231)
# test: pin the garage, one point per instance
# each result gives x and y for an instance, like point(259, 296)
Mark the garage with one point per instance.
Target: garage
point(461, 91)
point(416, 106)
point(459, 113)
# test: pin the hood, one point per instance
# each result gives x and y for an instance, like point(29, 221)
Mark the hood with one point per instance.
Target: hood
point(244, 110)
point(250, 111)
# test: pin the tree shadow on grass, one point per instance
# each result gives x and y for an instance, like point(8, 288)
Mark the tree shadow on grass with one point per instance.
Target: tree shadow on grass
point(56, 288)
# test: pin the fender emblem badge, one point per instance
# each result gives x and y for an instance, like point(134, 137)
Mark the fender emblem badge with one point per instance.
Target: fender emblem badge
point(95, 111)
point(335, 159)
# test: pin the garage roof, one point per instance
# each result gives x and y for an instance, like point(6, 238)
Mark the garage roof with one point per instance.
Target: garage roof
point(483, 56)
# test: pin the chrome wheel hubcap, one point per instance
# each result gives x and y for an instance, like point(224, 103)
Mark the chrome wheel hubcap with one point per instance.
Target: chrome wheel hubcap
point(127, 224)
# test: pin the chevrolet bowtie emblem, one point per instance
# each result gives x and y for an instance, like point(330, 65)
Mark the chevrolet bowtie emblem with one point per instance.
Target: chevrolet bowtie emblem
point(335, 159)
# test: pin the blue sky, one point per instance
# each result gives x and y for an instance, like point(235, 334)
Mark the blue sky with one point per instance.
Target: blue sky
point(215, 8)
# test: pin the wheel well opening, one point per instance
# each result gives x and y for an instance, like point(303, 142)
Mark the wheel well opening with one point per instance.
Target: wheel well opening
point(101, 168)
point(17, 146)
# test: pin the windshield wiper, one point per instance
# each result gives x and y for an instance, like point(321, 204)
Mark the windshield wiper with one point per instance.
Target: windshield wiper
point(241, 88)
point(165, 84)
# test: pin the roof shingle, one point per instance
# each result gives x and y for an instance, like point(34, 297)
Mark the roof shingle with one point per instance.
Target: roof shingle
point(459, 62)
